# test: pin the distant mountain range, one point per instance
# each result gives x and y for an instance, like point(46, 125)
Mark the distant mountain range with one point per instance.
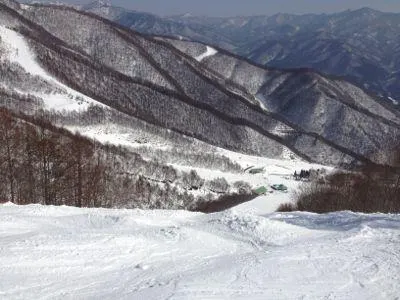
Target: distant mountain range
point(362, 46)
point(188, 88)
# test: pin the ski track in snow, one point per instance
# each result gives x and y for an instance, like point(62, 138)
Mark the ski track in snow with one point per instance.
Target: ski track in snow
point(19, 53)
point(209, 52)
point(63, 252)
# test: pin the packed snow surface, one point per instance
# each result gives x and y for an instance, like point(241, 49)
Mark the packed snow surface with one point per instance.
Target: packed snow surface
point(209, 52)
point(18, 52)
point(63, 252)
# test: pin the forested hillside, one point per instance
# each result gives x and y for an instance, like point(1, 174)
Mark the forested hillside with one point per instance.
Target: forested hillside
point(40, 163)
point(360, 45)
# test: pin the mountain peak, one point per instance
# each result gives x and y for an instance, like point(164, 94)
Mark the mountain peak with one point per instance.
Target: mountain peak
point(187, 15)
point(366, 11)
point(98, 4)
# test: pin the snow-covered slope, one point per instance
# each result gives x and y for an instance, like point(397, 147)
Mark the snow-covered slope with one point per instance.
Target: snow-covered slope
point(18, 52)
point(62, 252)
point(276, 171)
point(347, 44)
point(209, 52)
point(250, 109)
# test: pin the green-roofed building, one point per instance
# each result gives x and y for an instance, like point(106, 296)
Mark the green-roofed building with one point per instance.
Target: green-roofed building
point(261, 190)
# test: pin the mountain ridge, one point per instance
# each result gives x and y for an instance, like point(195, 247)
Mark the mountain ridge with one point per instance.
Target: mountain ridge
point(259, 37)
point(157, 61)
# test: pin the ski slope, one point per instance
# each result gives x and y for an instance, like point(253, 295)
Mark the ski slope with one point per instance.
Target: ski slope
point(209, 52)
point(277, 171)
point(19, 52)
point(70, 253)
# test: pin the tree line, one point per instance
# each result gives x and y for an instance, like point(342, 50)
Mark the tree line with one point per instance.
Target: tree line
point(41, 163)
point(374, 188)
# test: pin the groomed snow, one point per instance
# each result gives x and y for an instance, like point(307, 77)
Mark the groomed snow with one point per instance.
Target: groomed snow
point(63, 252)
point(209, 52)
point(18, 52)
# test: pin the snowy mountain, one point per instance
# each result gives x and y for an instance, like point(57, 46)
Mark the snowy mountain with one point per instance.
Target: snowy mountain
point(174, 105)
point(147, 23)
point(93, 114)
point(360, 45)
point(305, 99)
point(149, 80)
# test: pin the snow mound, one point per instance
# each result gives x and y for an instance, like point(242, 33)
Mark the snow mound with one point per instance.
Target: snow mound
point(8, 204)
point(261, 231)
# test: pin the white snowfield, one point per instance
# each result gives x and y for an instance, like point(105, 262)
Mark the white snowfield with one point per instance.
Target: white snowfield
point(209, 52)
point(20, 53)
point(70, 253)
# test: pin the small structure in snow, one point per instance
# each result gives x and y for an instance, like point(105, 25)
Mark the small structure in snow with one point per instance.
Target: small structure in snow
point(262, 190)
point(248, 168)
point(279, 187)
point(256, 170)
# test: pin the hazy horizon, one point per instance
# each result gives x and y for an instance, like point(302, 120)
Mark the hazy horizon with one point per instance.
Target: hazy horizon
point(257, 7)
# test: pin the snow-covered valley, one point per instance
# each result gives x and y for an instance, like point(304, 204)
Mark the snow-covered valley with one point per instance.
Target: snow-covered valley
point(70, 253)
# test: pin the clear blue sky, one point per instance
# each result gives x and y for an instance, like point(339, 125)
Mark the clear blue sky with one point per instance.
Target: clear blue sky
point(250, 7)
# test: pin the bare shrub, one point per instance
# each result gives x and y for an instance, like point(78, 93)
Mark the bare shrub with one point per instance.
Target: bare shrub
point(375, 189)
point(286, 207)
point(218, 185)
point(242, 187)
point(192, 180)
